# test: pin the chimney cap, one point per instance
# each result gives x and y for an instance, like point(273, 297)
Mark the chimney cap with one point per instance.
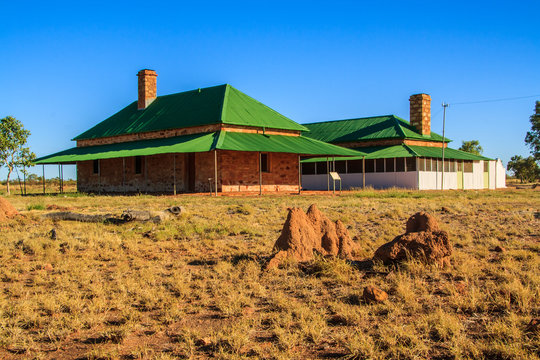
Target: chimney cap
point(146, 72)
point(420, 94)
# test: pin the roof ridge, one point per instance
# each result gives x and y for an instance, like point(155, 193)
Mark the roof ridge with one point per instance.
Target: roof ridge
point(264, 123)
point(225, 102)
point(399, 129)
point(192, 90)
point(361, 118)
point(410, 150)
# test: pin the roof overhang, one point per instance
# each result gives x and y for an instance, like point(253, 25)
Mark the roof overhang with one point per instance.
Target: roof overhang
point(219, 140)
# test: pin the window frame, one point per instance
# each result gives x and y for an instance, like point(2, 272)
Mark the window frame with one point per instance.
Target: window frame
point(138, 165)
point(265, 163)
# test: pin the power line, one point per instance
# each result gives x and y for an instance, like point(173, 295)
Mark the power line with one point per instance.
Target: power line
point(495, 100)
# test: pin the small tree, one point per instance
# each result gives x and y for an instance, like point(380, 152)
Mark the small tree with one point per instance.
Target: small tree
point(472, 146)
point(525, 169)
point(532, 139)
point(13, 153)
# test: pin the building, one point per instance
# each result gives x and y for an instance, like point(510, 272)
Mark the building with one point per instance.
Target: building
point(398, 153)
point(214, 139)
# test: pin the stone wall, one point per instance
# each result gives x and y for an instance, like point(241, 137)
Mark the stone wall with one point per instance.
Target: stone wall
point(237, 171)
point(118, 175)
point(161, 134)
point(420, 113)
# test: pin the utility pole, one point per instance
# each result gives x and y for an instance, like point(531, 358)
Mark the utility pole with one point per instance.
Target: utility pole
point(443, 123)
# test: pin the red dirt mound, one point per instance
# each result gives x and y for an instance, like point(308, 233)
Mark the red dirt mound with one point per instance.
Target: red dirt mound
point(303, 233)
point(7, 210)
point(421, 221)
point(422, 240)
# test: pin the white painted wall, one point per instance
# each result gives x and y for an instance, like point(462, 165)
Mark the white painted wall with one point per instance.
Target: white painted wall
point(426, 180)
point(405, 180)
point(501, 174)
point(431, 180)
point(492, 175)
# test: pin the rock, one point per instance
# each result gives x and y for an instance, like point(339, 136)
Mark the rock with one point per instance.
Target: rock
point(499, 249)
point(373, 294)
point(423, 240)
point(306, 233)
point(533, 326)
point(52, 234)
point(247, 311)
point(461, 287)
point(48, 267)
point(203, 342)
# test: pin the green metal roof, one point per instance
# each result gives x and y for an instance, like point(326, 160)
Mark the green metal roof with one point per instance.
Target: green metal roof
point(280, 143)
point(436, 152)
point(221, 140)
point(381, 152)
point(221, 104)
point(369, 128)
point(179, 144)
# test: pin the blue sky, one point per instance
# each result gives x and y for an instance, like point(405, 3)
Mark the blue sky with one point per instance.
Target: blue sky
point(68, 65)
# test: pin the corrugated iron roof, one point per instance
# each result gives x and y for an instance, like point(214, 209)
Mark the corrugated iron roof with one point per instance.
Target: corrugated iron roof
point(381, 152)
point(221, 104)
point(369, 128)
point(221, 140)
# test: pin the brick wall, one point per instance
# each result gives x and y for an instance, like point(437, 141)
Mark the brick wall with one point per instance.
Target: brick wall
point(118, 175)
point(420, 113)
point(147, 88)
point(183, 131)
point(237, 171)
point(149, 135)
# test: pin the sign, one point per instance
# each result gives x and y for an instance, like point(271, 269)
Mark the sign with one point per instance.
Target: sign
point(335, 176)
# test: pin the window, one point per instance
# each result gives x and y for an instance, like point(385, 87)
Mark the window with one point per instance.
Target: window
point(452, 166)
point(354, 166)
point(411, 164)
point(428, 164)
point(486, 166)
point(370, 165)
point(379, 165)
point(439, 165)
point(421, 164)
point(460, 166)
point(322, 168)
point(468, 167)
point(308, 169)
point(96, 166)
point(400, 164)
point(389, 165)
point(265, 166)
point(138, 164)
point(341, 167)
point(446, 166)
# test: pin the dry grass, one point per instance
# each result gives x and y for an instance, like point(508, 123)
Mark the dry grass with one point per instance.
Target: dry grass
point(194, 287)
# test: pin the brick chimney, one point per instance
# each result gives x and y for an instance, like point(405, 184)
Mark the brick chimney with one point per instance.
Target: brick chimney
point(147, 88)
point(420, 113)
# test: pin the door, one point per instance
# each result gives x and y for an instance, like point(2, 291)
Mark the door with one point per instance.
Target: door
point(460, 175)
point(190, 171)
point(486, 174)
